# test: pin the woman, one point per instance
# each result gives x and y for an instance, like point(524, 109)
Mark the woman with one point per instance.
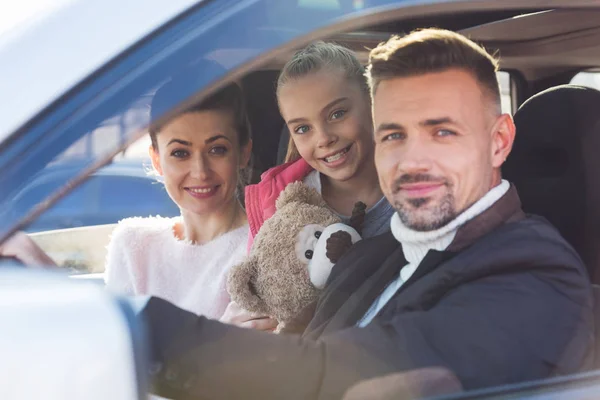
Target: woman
point(200, 154)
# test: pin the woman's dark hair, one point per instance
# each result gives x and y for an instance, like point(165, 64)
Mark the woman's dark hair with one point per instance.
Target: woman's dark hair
point(230, 99)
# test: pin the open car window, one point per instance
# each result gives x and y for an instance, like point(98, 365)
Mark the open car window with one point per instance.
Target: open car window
point(94, 132)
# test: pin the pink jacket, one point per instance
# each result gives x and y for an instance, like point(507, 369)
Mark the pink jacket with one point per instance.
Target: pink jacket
point(260, 198)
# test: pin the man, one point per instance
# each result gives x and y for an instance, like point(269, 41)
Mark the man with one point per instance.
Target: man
point(465, 281)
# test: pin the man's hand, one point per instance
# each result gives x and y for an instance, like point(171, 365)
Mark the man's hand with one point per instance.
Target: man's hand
point(24, 249)
point(234, 315)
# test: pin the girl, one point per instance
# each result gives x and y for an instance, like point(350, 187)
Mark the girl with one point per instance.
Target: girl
point(324, 99)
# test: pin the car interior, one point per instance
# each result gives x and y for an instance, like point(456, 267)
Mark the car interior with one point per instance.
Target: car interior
point(539, 49)
point(554, 157)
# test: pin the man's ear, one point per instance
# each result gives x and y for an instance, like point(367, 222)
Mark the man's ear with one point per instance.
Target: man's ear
point(503, 137)
point(154, 156)
point(246, 154)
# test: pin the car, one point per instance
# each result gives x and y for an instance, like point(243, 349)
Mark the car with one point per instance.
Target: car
point(93, 80)
point(117, 191)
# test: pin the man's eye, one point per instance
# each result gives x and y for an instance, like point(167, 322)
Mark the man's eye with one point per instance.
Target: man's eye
point(308, 254)
point(180, 153)
point(219, 150)
point(445, 132)
point(392, 136)
point(302, 129)
point(338, 114)
point(318, 234)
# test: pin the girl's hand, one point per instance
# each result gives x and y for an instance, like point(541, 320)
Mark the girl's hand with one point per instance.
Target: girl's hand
point(235, 315)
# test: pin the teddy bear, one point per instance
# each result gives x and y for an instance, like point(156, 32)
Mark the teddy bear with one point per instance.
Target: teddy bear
point(292, 255)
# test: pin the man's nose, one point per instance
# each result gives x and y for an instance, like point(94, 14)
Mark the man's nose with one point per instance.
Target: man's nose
point(417, 156)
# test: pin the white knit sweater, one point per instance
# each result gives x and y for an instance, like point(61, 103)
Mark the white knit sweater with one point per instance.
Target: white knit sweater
point(145, 258)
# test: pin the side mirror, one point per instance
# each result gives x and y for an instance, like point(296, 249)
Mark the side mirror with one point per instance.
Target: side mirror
point(67, 339)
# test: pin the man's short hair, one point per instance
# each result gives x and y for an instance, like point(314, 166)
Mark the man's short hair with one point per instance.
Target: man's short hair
point(429, 51)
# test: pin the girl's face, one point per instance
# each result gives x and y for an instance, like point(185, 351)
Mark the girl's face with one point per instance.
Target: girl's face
point(199, 156)
point(329, 119)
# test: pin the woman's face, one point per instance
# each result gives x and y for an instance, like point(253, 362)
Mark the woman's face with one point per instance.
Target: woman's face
point(329, 119)
point(199, 156)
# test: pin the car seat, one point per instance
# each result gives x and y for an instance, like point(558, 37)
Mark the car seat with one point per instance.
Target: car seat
point(554, 164)
point(283, 144)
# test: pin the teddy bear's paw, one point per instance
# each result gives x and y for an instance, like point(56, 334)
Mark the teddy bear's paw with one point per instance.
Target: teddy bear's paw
point(337, 245)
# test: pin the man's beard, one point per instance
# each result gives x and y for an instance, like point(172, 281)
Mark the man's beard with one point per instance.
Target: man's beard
point(435, 218)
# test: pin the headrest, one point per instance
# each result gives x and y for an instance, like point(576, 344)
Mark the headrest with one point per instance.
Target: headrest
point(554, 159)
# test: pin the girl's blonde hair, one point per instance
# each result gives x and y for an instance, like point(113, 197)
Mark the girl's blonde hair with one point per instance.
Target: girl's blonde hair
point(313, 58)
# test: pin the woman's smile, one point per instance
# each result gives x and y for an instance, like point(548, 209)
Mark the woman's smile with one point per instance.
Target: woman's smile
point(202, 192)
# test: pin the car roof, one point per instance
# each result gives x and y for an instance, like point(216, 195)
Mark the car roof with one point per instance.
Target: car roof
point(41, 59)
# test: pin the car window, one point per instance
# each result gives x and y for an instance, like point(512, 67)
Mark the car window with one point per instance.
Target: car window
point(129, 196)
point(70, 212)
point(589, 79)
point(79, 199)
point(506, 92)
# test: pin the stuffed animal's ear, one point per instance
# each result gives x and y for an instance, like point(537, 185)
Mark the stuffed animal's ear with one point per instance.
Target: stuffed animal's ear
point(240, 285)
point(299, 192)
point(357, 220)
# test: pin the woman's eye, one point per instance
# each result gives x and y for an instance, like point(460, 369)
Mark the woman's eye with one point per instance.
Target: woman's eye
point(318, 234)
point(179, 153)
point(308, 254)
point(302, 129)
point(219, 150)
point(338, 114)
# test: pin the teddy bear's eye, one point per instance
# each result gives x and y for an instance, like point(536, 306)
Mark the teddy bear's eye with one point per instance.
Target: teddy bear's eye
point(318, 234)
point(308, 254)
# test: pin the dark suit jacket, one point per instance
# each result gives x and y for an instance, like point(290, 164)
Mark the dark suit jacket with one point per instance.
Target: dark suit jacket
point(508, 301)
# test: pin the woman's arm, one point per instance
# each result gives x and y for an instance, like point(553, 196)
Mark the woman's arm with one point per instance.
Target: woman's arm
point(24, 249)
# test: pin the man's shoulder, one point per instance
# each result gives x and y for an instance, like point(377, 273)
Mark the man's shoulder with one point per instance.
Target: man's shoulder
point(532, 229)
point(531, 241)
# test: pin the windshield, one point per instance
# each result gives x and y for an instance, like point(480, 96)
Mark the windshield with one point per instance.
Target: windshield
point(94, 125)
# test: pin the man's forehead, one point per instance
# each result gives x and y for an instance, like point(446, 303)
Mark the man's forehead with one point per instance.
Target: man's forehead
point(429, 94)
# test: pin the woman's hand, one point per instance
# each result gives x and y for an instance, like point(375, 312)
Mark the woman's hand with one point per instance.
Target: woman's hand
point(234, 315)
point(24, 249)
